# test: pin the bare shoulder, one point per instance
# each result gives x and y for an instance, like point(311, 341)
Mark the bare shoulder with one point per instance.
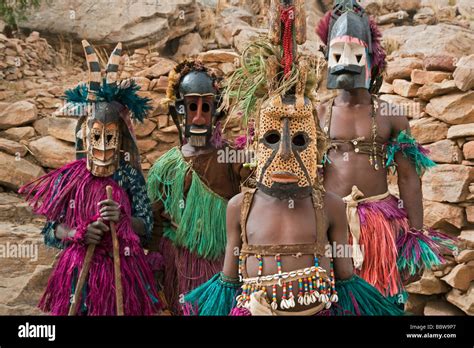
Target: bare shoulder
point(235, 202)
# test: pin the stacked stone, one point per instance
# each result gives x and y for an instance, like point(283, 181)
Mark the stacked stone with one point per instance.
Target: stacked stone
point(23, 58)
point(436, 92)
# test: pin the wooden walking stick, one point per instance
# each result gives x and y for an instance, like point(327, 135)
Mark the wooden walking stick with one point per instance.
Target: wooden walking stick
point(117, 272)
point(82, 279)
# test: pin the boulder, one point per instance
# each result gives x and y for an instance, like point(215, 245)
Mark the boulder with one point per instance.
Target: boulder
point(465, 255)
point(134, 23)
point(163, 67)
point(447, 183)
point(457, 108)
point(463, 300)
point(219, 56)
point(51, 152)
point(468, 150)
point(425, 15)
point(405, 88)
point(145, 145)
point(402, 68)
point(423, 77)
point(427, 285)
point(18, 133)
point(440, 307)
point(12, 147)
point(438, 215)
point(427, 130)
point(144, 129)
point(190, 45)
point(461, 276)
point(464, 73)
point(17, 171)
point(461, 131)
point(62, 128)
point(419, 39)
point(18, 114)
point(439, 62)
point(432, 90)
point(416, 303)
point(445, 151)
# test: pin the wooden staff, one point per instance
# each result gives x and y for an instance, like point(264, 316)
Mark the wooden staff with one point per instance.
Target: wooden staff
point(82, 279)
point(117, 271)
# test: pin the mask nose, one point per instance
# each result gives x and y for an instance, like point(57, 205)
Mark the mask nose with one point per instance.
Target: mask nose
point(285, 144)
point(346, 54)
point(199, 119)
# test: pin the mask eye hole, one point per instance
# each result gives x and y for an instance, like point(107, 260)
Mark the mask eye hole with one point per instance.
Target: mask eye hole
point(109, 138)
point(272, 138)
point(206, 107)
point(193, 107)
point(299, 140)
point(359, 58)
point(337, 57)
point(96, 137)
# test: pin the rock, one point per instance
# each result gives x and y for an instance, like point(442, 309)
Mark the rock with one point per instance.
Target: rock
point(432, 90)
point(134, 23)
point(15, 172)
point(419, 39)
point(427, 285)
point(463, 300)
point(439, 62)
point(190, 45)
point(416, 303)
point(386, 88)
point(143, 82)
point(145, 145)
point(62, 128)
point(144, 129)
point(424, 77)
point(425, 15)
point(447, 183)
point(437, 215)
point(427, 130)
point(470, 214)
point(405, 88)
point(18, 133)
point(51, 152)
point(440, 307)
point(394, 17)
point(461, 131)
point(465, 255)
point(467, 236)
point(159, 85)
point(219, 56)
point(244, 36)
point(461, 276)
point(41, 126)
point(402, 68)
point(465, 8)
point(163, 67)
point(445, 151)
point(18, 114)
point(464, 73)
point(457, 108)
point(468, 150)
point(12, 147)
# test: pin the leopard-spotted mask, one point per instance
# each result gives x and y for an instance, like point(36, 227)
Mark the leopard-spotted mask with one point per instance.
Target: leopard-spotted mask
point(286, 150)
